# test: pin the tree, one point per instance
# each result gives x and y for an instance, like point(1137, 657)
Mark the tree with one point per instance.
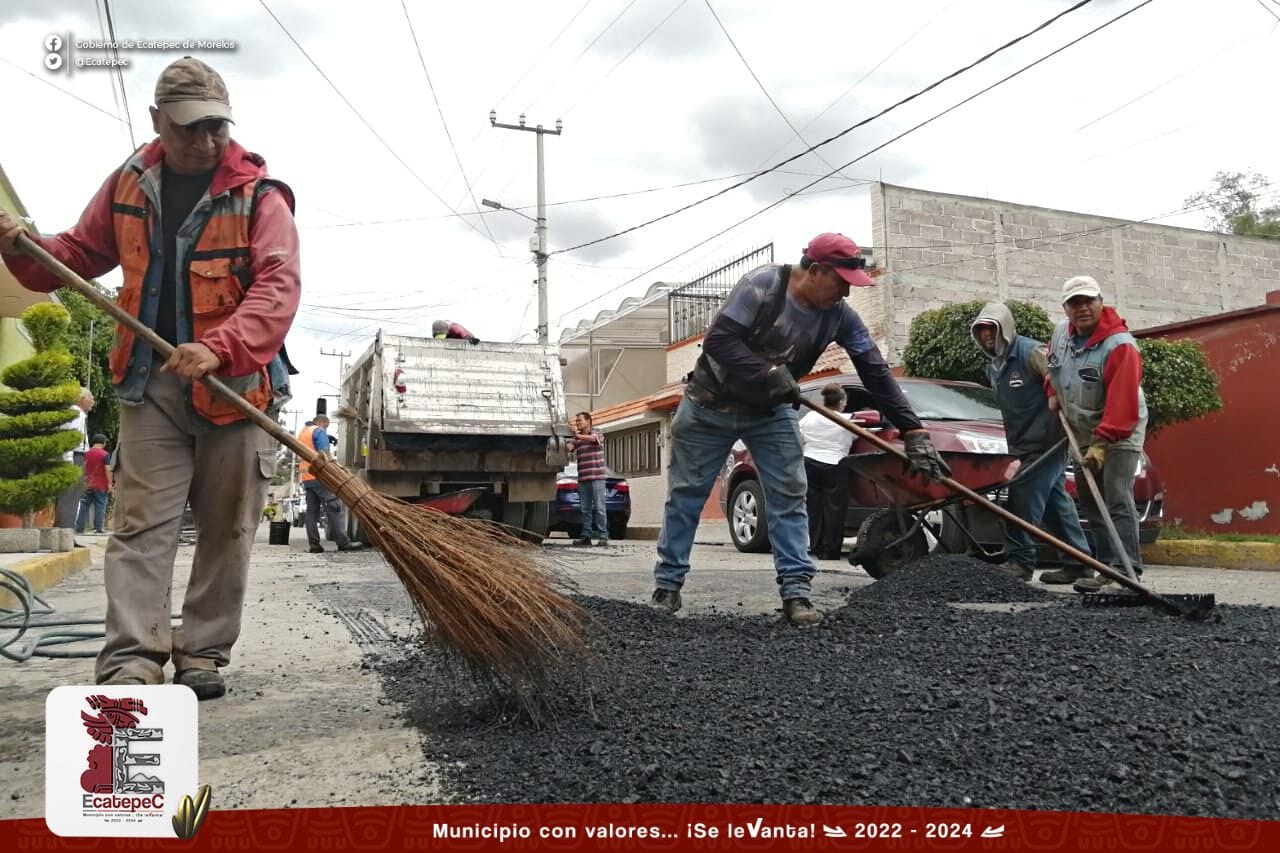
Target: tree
point(1233, 204)
point(1177, 379)
point(32, 438)
point(92, 360)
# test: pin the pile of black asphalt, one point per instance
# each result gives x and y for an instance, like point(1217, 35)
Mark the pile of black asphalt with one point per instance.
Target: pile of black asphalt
point(898, 698)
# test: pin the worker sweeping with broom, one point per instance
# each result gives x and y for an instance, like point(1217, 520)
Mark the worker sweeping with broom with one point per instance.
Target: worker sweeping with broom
point(209, 252)
point(210, 258)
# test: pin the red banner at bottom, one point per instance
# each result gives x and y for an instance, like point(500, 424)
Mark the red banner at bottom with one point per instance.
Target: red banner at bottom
point(676, 827)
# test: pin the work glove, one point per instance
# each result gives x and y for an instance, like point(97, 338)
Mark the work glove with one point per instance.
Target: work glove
point(1095, 456)
point(923, 457)
point(781, 385)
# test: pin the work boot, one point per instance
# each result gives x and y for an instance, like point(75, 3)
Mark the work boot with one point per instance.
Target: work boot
point(205, 683)
point(666, 600)
point(352, 546)
point(1065, 575)
point(316, 549)
point(799, 612)
point(602, 543)
point(584, 542)
point(1022, 573)
point(1093, 584)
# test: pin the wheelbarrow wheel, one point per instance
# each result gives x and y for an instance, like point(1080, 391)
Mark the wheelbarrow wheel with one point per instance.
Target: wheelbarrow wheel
point(875, 550)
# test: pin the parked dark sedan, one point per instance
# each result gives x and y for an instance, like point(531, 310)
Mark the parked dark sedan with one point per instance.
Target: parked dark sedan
point(566, 514)
point(956, 413)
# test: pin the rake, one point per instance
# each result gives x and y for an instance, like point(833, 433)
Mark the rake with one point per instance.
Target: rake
point(479, 590)
point(1196, 607)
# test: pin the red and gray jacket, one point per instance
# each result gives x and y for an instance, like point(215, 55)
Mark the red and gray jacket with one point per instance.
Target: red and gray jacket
point(1099, 384)
point(238, 260)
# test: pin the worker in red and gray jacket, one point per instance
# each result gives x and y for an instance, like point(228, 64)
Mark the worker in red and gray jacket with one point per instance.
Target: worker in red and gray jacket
point(442, 329)
point(1095, 377)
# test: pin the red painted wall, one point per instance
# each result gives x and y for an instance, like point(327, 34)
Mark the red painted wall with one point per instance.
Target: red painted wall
point(1222, 471)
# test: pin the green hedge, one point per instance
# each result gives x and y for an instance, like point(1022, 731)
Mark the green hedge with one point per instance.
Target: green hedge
point(941, 347)
point(34, 423)
point(39, 399)
point(18, 456)
point(1179, 383)
point(28, 494)
point(46, 322)
point(42, 370)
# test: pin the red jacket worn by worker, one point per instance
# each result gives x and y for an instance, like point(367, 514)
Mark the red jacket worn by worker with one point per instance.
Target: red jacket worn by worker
point(1099, 382)
point(242, 271)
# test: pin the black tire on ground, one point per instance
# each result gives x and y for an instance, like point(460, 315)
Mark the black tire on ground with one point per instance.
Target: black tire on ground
point(748, 526)
point(951, 539)
point(573, 531)
point(881, 528)
point(618, 529)
point(537, 521)
point(513, 515)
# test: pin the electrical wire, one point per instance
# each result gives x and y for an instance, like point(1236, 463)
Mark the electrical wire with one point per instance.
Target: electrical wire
point(761, 86)
point(1269, 11)
point(372, 130)
point(119, 71)
point(541, 56)
point(916, 127)
point(440, 110)
point(66, 92)
point(984, 58)
point(584, 52)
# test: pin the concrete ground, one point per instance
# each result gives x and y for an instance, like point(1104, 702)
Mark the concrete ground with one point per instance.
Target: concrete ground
point(305, 722)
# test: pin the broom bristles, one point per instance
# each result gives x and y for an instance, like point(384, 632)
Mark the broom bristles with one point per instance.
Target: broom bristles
point(480, 591)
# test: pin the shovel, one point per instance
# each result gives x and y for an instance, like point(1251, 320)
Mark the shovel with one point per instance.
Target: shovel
point(1196, 607)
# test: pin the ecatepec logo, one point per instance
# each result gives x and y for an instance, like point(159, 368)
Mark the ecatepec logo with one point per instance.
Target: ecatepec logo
point(119, 759)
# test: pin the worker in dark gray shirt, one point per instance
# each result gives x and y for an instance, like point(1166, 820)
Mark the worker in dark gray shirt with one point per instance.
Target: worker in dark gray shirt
point(770, 332)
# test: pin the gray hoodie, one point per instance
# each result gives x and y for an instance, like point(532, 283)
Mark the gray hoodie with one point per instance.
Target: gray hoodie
point(1016, 375)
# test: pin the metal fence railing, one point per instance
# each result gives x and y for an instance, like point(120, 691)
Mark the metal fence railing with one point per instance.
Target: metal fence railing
point(692, 306)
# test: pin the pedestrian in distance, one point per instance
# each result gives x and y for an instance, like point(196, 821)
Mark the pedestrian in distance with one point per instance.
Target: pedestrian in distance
point(826, 445)
point(587, 445)
point(209, 253)
point(773, 326)
point(97, 482)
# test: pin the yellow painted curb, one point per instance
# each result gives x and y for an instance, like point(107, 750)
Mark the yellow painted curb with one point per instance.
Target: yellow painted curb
point(44, 570)
point(1255, 556)
point(644, 532)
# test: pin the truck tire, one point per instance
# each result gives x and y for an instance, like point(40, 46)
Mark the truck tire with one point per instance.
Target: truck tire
point(537, 521)
point(618, 529)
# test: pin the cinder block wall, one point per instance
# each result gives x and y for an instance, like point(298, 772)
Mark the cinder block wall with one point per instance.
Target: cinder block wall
point(937, 248)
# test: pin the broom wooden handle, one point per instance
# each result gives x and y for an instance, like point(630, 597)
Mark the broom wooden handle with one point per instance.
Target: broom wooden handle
point(993, 507)
point(69, 278)
point(1092, 482)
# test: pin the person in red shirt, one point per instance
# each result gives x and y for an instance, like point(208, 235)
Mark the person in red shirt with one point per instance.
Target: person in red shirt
point(97, 486)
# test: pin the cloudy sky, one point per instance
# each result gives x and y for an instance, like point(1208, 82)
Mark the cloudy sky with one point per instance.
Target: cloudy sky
point(670, 97)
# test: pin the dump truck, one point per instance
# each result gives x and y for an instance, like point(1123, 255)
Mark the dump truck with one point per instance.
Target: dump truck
point(478, 430)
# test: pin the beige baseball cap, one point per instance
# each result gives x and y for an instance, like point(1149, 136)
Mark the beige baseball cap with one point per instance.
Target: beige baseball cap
point(1080, 285)
point(189, 91)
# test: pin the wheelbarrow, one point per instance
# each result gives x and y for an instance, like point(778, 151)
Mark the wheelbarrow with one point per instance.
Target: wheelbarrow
point(939, 495)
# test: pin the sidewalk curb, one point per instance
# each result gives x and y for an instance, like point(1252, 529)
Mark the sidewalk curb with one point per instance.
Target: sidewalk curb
point(44, 570)
point(1207, 553)
point(644, 532)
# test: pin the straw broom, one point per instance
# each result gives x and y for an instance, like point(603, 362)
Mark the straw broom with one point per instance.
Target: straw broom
point(479, 590)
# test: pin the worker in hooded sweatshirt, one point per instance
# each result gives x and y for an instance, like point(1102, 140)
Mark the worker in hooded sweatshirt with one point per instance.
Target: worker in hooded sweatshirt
point(1016, 371)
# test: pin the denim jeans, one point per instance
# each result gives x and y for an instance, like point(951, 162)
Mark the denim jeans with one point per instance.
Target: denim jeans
point(1042, 500)
point(1116, 483)
point(321, 500)
point(97, 500)
point(591, 502)
point(700, 442)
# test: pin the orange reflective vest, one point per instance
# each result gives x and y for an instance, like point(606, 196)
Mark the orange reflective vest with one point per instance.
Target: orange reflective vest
point(304, 467)
point(217, 276)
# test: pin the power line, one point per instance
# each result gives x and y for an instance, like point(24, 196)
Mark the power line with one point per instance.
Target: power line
point(439, 109)
point(584, 52)
point(760, 84)
point(927, 121)
point(66, 92)
point(1269, 11)
point(541, 56)
point(370, 127)
point(629, 53)
point(119, 71)
point(1079, 5)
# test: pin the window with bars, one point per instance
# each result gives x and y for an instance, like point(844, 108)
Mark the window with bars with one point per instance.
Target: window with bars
point(634, 452)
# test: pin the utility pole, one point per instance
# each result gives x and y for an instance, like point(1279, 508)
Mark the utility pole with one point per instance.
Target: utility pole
point(342, 360)
point(540, 226)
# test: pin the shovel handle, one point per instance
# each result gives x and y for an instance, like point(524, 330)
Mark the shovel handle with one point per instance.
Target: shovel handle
point(1116, 545)
point(71, 279)
point(996, 509)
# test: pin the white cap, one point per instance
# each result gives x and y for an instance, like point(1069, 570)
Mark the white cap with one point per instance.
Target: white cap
point(1080, 285)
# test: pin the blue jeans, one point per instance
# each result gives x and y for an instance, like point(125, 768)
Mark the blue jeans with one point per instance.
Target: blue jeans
point(591, 502)
point(97, 500)
point(1042, 500)
point(700, 442)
